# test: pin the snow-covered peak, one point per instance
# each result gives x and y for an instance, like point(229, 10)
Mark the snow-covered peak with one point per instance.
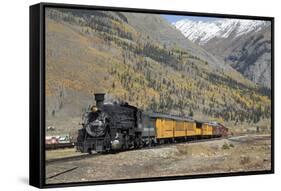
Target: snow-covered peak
point(203, 31)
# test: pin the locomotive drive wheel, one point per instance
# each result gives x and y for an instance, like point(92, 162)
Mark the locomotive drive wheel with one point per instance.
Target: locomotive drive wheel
point(138, 143)
point(90, 151)
point(107, 142)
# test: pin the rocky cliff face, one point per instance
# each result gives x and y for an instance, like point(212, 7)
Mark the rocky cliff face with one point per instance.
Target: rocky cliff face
point(252, 57)
point(244, 44)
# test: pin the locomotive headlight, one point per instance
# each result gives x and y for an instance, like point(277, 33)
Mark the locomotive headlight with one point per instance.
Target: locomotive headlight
point(116, 145)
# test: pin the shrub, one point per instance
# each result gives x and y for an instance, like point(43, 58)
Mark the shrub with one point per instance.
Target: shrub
point(225, 146)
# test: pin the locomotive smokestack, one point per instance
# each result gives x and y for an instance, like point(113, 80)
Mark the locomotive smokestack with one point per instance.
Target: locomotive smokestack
point(99, 100)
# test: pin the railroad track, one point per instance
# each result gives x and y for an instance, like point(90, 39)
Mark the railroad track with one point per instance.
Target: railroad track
point(241, 138)
point(247, 138)
point(59, 146)
point(85, 156)
point(71, 158)
point(178, 143)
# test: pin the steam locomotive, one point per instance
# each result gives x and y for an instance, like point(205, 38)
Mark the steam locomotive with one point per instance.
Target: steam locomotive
point(120, 126)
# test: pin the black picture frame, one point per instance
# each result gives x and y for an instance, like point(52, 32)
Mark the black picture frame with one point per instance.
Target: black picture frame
point(37, 94)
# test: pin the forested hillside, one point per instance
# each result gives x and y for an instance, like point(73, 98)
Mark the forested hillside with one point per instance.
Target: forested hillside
point(96, 51)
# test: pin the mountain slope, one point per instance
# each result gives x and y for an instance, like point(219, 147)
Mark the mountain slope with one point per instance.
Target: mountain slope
point(166, 34)
point(228, 39)
point(96, 51)
point(252, 57)
point(203, 31)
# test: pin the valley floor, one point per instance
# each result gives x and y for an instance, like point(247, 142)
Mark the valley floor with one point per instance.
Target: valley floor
point(236, 154)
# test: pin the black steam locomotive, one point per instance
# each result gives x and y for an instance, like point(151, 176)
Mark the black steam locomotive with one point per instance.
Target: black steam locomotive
point(110, 127)
point(120, 126)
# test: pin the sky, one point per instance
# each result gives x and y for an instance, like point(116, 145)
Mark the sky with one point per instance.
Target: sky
point(174, 18)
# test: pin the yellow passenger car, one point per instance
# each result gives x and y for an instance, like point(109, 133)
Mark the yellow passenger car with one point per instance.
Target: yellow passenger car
point(179, 129)
point(190, 127)
point(173, 127)
point(207, 129)
point(164, 128)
